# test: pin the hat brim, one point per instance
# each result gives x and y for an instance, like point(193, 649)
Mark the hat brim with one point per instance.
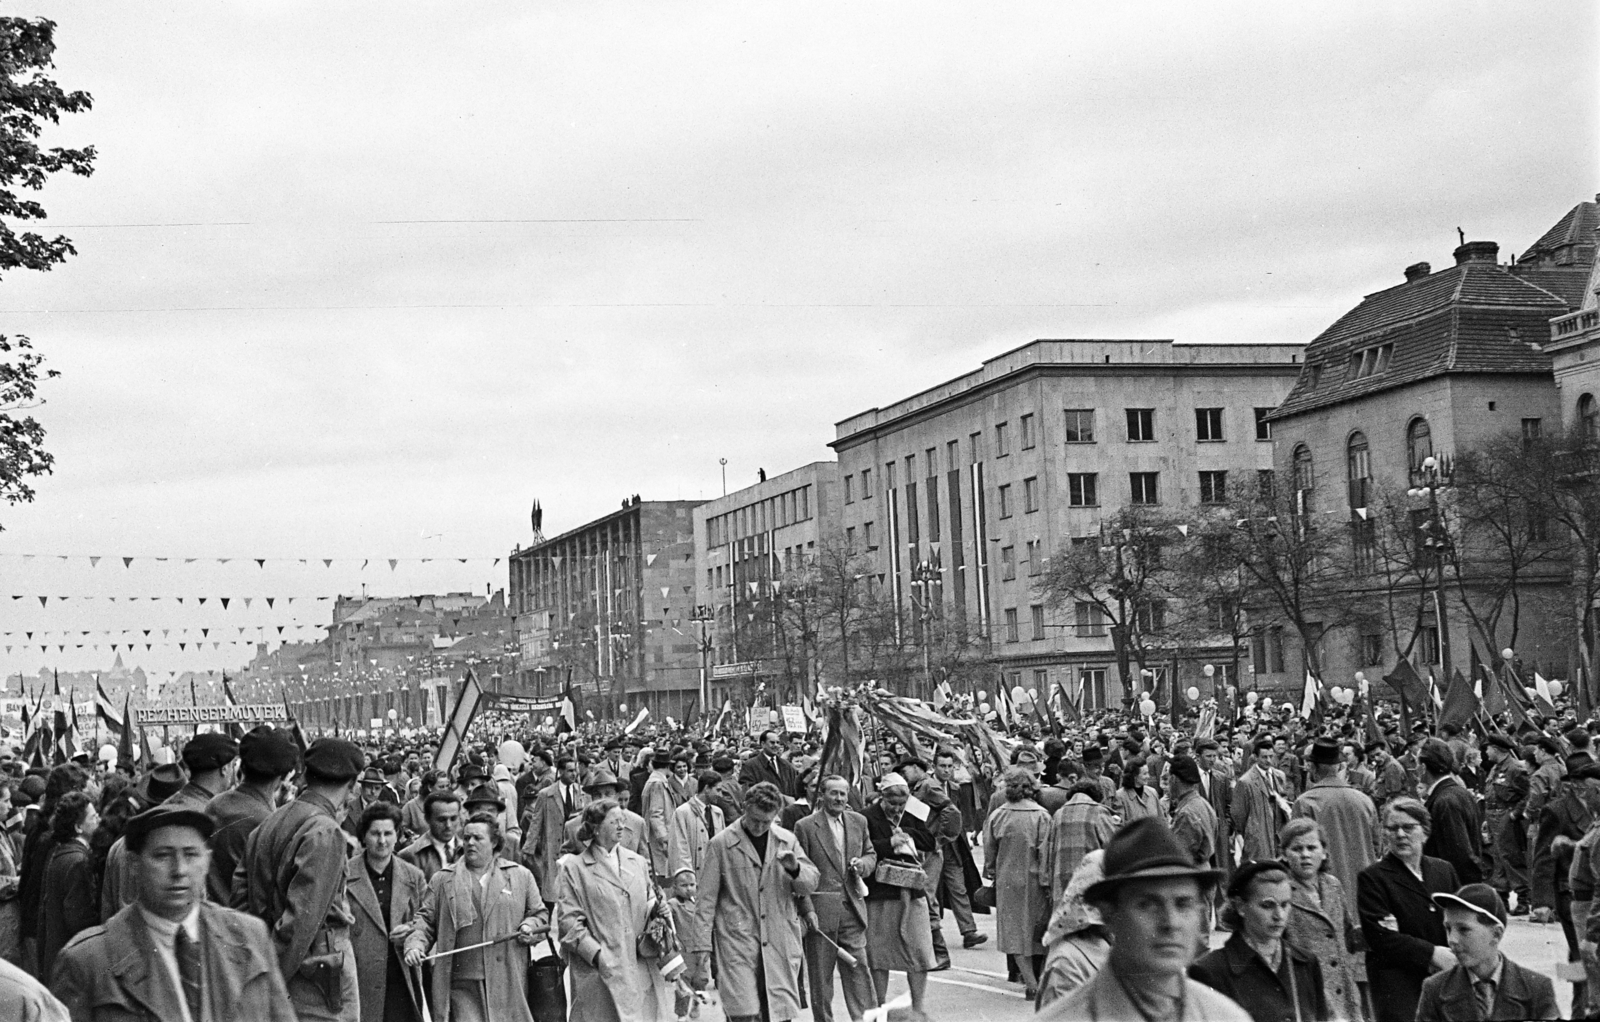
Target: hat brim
point(1451, 901)
point(1109, 884)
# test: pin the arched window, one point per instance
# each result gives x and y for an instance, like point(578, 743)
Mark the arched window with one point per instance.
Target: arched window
point(1588, 418)
point(1358, 469)
point(1304, 478)
point(1419, 447)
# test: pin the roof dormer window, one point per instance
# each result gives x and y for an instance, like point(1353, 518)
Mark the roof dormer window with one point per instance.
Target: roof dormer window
point(1370, 361)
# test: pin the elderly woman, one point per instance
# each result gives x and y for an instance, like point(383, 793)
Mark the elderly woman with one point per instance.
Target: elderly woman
point(479, 897)
point(1403, 927)
point(1136, 797)
point(898, 936)
point(1261, 971)
point(1075, 940)
point(605, 900)
point(1320, 924)
point(1014, 841)
point(385, 892)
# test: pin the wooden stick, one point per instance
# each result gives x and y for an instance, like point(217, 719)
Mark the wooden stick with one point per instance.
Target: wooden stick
point(470, 947)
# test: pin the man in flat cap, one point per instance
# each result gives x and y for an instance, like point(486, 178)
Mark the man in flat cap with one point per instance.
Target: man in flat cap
point(267, 757)
point(292, 876)
point(209, 759)
point(1505, 789)
point(1484, 983)
point(171, 955)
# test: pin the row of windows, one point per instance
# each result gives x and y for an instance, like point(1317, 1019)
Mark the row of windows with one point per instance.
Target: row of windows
point(1150, 616)
point(1078, 427)
point(762, 516)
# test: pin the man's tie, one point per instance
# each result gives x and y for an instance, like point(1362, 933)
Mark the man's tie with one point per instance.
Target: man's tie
point(188, 954)
point(711, 821)
point(1485, 990)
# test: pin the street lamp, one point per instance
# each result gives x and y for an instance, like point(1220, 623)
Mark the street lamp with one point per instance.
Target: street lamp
point(1120, 591)
point(923, 578)
point(704, 616)
point(1433, 474)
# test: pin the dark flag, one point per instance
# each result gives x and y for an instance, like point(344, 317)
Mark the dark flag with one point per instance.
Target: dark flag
point(125, 738)
point(235, 729)
point(567, 713)
point(1460, 702)
point(1413, 693)
point(294, 724)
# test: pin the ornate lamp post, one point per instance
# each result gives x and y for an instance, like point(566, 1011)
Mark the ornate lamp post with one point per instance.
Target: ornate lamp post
point(1436, 539)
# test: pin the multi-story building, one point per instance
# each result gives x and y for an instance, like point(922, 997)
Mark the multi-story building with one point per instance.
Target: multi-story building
point(609, 604)
point(964, 490)
point(745, 544)
point(1574, 344)
point(1441, 364)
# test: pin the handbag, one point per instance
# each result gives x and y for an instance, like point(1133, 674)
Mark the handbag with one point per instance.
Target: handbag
point(900, 874)
point(983, 899)
point(547, 993)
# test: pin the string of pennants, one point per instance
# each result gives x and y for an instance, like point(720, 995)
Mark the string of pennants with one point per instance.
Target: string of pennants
point(260, 562)
point(225, 601)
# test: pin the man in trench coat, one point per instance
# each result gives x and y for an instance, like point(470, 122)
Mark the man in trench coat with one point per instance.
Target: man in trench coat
point(1348, 818)
point(546, 834)
point(745, 910)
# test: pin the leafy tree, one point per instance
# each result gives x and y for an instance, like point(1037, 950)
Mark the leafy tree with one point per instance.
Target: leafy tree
point(28, 99)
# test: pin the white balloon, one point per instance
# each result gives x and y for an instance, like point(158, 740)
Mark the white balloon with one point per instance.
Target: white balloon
point(1193, 693)
point(1019, 693)
point(1143, 696)
point(1266, 704)
point(512, 754)
point(1251, 697)
point(1033, 693)
point(549, 721)
point(983, 708)
point(622, 707)
point(1147, 707)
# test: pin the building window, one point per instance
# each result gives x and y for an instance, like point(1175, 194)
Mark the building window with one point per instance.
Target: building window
point(1538, 523)
point(1370, 362)
point(1008, 563)
point(1030, 494)
point(888, 476)
point(1012, 632)
point(1079, 425)
point(1313, 375)
point(1213, 487)
point(975, 442)
point(1002, 440)
point(1305, 478)
point(1263, 426)
point(1081, 489)
point(1364, 544)
point(849, 489)
point(1092, 683)
point(1026, 426)
point(1588, 418)
point(1035, 561)
point(1208, 424)
point(1419, 447)
point(1142, 487)
point(1371, 652)
point(1090, 620)
point(1150, 616)
point(953, 453)
point(1004, 493)
point(1141, 425)
point(1532, 429)
point(1041, 683)
point(1429, 641)
point(849, 538)
point(866, 484)
point(1358, 469)
point(1037, 610)
point(1266, 485)
point(866, 534)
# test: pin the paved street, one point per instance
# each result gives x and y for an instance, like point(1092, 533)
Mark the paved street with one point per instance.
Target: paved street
point(975, 988)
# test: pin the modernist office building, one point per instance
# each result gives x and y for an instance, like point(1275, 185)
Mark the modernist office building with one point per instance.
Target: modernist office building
point(985, 476)
point(599, 603)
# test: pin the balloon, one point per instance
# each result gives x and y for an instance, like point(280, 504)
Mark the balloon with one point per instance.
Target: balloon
point(1266, 704)
point(1033, 693)
point(108, 754)
point(1143, 696)
point(1019, 693)
point(549, 721)
point(1147, 707)
point(1334, 692)
point(622, 707)
point(1507, 653)
point(1208, 670)
point(773, 716)
point(512, 754)
point(1193, 693)
point(1533, 693)
point(982, 695)
point(1251, 697)
point(983, 708)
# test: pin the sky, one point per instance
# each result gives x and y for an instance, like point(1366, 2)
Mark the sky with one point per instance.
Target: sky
point(364, 280)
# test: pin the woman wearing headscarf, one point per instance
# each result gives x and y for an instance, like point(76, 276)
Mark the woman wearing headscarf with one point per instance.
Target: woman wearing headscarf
point(1320, 924)
point(605, 900)
point(1075, 941)
point(1014, 842)
point(898, 936)
point(1403, 926)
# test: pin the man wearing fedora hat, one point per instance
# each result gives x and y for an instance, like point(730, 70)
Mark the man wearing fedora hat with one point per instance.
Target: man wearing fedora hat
point(1348, 817)
point(602, 783)
point(1484, 983)
point(1153, 903)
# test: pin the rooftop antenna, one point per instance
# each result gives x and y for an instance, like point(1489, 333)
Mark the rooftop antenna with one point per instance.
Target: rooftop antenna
point(1462, 235)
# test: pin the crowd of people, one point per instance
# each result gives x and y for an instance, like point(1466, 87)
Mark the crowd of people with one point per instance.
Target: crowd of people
point(605, 875)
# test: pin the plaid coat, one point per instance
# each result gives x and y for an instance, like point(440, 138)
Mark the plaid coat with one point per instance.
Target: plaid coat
point(1078, 828)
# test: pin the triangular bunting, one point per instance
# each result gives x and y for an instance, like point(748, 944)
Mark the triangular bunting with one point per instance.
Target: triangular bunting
point(127, 562)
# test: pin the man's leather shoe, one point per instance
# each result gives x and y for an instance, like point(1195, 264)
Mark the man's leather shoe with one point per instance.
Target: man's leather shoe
point(972, 940)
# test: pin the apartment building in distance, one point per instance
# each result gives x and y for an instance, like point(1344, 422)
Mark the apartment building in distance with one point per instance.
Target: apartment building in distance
point(986, 476)
point(598, 603)
point(744, 542)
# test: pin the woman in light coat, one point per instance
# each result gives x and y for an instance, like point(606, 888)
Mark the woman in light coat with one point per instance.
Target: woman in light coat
point(1136, 797)
point(604, 898)
point(1013, 854)
point(1319, 923)
point(479, 897)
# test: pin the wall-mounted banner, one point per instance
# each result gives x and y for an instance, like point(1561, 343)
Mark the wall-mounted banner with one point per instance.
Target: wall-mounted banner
point(156, 716)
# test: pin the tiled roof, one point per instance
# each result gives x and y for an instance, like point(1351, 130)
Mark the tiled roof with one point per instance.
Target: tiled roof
point(1576, 228)
point(1475, 317)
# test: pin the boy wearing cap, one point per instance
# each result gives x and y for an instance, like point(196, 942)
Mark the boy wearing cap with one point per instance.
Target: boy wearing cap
point(1484, 983)
point(1153, 903)
point(171, 955)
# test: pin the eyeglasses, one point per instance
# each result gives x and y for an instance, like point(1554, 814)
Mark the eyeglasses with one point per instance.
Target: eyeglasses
point(1402, 828)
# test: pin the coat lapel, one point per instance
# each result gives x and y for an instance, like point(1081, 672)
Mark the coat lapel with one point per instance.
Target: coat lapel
point(134, 970)
point(602, 869)
point(361, 890)
point(825, 836)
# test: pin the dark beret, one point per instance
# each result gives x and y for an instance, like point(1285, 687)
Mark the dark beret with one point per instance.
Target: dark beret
point(1186, 770)
point(1502, 741)
point(210, 751)
point(1437, 756)
point(270, 751)
point(334, 759)
point(139, 827)
point(391, 765)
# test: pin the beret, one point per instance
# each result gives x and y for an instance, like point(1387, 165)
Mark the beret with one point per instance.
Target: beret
point(210, 751)
point(269, 750)
point(335, 759)
point(140, 826)
point(1186, 770)
point(1502, 741)
point(1437, 756)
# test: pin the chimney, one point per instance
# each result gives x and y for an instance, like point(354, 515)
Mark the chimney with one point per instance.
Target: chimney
point(1416, 271)
point(1477, 252)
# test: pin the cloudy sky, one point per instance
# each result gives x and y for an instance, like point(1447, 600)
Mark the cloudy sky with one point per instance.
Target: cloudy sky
point(363, 280)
